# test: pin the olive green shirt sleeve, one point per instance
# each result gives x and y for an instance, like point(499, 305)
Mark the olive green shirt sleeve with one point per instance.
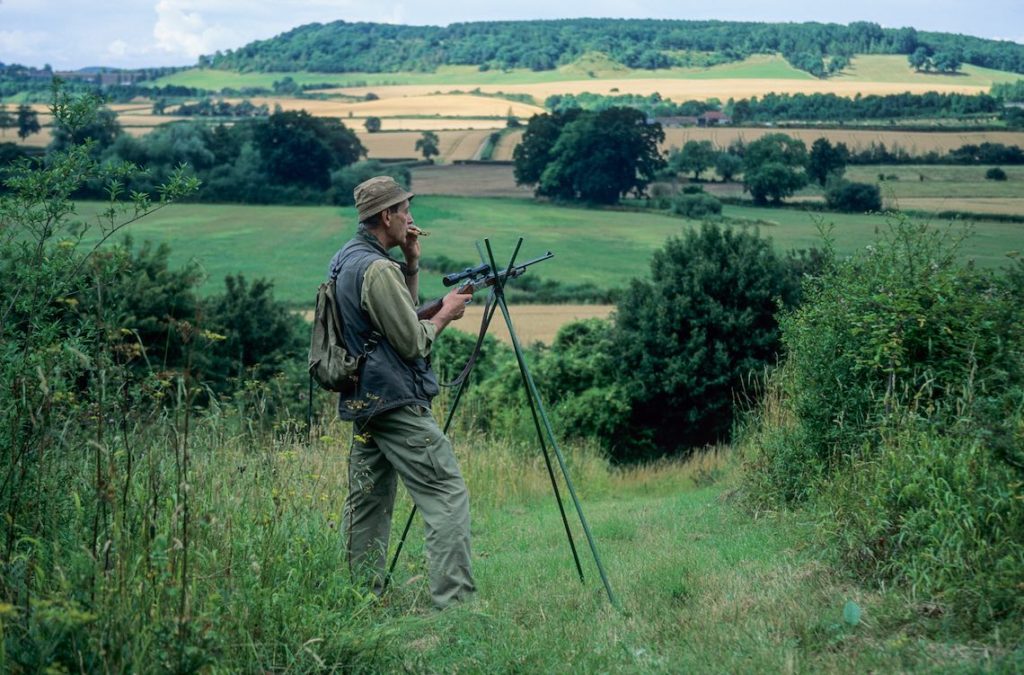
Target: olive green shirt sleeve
point(386, 299)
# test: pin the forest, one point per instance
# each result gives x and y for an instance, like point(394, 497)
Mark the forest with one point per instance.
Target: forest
point(818, 48)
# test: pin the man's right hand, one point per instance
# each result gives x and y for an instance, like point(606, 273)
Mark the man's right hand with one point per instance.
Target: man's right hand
point(453, 307)
point(455, 303)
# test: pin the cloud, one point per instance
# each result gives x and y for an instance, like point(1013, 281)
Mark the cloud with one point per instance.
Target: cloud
point(19, 44)
point(181, 29)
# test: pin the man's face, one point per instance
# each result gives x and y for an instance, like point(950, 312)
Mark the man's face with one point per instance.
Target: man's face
point(398, 222)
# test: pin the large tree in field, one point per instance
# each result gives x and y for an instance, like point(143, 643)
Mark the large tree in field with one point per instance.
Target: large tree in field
point(600, 156)
point(534, 150)
point(773, 167)
point(300, 149)
point(427, 144)
point(28, 122)
point(827, 160)
point(696, 156)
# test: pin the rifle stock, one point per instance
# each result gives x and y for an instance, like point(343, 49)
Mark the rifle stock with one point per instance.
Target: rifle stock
point(428, 309)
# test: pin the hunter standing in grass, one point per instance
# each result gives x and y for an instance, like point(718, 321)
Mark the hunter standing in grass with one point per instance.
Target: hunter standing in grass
point(394, 432)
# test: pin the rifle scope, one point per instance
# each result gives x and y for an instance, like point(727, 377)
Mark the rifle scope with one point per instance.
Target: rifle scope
point(456, 277)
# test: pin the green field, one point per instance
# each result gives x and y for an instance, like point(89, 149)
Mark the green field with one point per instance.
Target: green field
point(293, 244)
point(865, 68)
point(894, 68)
point(940, 181)
point(759, 66)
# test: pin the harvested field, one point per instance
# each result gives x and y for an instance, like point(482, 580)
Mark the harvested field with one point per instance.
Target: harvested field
point(442, 105)
point(533, 323)
point(144, 120)
point(676, 89)
point(915, 142)
point(429, 123)
point(507, 145)
point(452, 144)
point(468, 180)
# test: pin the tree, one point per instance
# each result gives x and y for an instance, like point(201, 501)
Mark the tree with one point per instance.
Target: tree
point(372, 124)
point(533, 153)
point(600, 156)
point(6, 120)
point(920, 59)
point(827, 160)
point(852, 197)
point(687, 337)
point(773, 167)
point(300, 149)
point(101, 127)
point(948, 60)
point(727, 165)
point(696, 156)
point(427, 145)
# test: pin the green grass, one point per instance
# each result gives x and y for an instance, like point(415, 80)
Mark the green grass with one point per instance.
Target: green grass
point(293, 244)
point(757, 66)
point(894, 68)
point(941, 181)
point(865, 68)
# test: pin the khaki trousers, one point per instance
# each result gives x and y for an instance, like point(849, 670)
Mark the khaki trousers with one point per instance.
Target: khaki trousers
point(408, 443)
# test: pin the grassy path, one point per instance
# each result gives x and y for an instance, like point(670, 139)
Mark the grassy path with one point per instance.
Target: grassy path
point(704, 586)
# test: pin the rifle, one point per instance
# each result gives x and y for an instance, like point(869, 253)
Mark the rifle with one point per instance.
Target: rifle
point(474, 279)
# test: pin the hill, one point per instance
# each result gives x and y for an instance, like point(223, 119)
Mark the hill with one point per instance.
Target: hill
point(647, 44)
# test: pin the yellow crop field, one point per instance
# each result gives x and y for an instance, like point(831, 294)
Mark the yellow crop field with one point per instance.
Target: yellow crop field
point(452, 144)
point(533, 323)
point(134, 119)
point(424, 103)
point(429, 124)
point(677, 89)
point(915, 142)
point(503, 151)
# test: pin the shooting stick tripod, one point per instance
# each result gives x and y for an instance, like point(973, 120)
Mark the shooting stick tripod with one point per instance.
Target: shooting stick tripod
point(540, 420)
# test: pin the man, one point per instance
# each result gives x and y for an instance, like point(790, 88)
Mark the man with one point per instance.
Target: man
point(394, 431)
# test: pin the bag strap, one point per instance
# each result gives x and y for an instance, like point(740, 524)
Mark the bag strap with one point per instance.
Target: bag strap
point(375, 337)
point(461, 377)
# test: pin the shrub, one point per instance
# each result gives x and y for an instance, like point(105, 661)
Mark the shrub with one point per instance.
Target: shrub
point(687, 338)
point(699, 205)
point(899, 415)
point(995, 173)
point(853, 197)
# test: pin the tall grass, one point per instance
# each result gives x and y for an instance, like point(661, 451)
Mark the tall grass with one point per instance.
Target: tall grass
point(897, 418)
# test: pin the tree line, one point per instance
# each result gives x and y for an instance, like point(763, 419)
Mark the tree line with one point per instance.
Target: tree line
point(818, 48)
point(816, 107)
point(602, 156)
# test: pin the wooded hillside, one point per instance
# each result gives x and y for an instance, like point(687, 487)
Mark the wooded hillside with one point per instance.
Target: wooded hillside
point(637, 43)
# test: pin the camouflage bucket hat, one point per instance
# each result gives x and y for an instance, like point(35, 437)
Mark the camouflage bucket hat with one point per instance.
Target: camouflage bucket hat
point(377, 194)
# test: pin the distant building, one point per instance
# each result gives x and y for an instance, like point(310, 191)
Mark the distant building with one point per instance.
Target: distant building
point(676, 121)
point(713, 118)
point(121, 77)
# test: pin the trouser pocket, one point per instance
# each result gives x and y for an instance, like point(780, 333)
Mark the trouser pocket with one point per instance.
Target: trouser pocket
point(432, 453)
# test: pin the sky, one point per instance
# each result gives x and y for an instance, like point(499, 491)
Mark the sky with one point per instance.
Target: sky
point(71, 34)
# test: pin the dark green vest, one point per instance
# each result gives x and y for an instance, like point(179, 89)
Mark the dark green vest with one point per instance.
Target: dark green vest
point(388, 381)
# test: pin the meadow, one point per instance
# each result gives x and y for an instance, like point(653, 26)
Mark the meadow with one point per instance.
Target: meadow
point(292, 244)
